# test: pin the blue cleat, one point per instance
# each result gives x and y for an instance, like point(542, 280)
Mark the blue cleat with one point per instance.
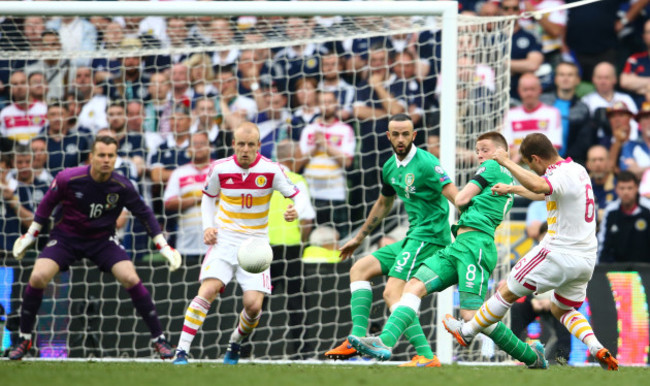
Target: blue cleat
point(181, 358)
point(232, 354)
point(541, 362)
point(372, 346)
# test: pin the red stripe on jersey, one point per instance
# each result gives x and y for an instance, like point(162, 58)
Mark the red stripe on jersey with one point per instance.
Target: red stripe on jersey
point(549, 185)
point(209, 195)
point(529, 286)
point(530, 125)
point(567, 302)
point(253, 181)
point(24, 121)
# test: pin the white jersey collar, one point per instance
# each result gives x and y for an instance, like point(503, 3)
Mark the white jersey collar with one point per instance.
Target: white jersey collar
point(408, 158)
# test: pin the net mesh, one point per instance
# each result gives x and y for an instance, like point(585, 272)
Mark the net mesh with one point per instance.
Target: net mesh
point(152, 78)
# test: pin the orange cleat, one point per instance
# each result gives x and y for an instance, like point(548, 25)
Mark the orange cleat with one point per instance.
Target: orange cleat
point(607, 360)
point(421, 361)
point(344, 351)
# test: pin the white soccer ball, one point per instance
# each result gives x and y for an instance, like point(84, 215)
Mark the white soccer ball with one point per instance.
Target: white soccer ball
point(255, 255)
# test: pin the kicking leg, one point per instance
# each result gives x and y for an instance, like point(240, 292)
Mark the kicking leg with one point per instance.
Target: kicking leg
point(249, 318)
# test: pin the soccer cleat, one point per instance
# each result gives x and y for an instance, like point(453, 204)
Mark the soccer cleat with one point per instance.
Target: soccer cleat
point(541, 362)
point(372, 346)
point(607, 360)
point(19, 352)
point(343, 351)
point(181, 358)
point(455, 328)
point(232, 354)
point(163, 348)
point(421, 361)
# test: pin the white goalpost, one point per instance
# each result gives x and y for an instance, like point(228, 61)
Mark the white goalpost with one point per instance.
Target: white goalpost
point(458, 88)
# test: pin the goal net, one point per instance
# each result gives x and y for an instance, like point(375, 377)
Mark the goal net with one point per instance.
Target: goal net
point(153, 79)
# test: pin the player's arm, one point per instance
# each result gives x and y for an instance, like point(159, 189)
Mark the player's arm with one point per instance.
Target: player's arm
point(503, 189)
point(379, 210)
point(450, 191)
point(526, 178)
point(208, 207)
point(466, 194)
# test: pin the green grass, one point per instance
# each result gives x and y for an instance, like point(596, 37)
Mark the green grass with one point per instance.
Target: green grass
point(158, 374)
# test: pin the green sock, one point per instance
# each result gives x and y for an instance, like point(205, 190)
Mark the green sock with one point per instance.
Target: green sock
point(396, 324)
point(415, 335)
point(508, 342)
point(360, 303)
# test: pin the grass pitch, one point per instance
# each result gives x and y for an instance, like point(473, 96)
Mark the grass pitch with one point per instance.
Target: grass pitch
point(158, 374)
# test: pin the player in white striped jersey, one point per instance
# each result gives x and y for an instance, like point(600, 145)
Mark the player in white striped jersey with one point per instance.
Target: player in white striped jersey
point(243, 185)
point(563, 261)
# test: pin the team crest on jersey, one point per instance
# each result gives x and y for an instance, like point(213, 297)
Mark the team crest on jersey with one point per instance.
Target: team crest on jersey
point(439, 169)
point(640, 224)
point(111, 200)
point(409, 179)
point(542, 125)
point(51, 243)
point(260, 181)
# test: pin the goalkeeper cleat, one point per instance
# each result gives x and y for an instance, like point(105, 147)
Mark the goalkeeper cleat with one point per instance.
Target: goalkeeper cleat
point(455, 328)
point(607, 360)
point(21, 350)
point(421, 361)
point(540, 362)
point(372, 346)
point(343, 351)
point(232, 354)
point(181, 358)
point(163, 348)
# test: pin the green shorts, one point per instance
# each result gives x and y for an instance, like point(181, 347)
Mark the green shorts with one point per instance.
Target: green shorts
point(468, 262)
point(403, 258)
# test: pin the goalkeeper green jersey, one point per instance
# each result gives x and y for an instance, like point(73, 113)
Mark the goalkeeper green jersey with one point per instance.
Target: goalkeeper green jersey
point(418, 180)
point(486, 211)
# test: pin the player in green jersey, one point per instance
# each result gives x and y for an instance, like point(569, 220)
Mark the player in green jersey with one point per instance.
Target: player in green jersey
point(468, 261)
point(416, 177)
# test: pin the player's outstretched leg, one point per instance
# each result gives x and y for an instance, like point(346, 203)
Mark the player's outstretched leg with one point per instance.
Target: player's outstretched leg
point(455, 328)
point(143, 303)
point(540, 362)
point(579, 327)
point(244, 328)
point(424, 355)
point(360, 303)
point(194, 318)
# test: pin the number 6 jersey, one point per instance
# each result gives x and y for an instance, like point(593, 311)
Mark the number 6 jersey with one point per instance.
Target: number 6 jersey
point(571, 210)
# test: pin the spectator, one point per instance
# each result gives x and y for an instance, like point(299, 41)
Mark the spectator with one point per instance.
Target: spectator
point(635, 77)
point(65, 149)
point(331, 67)
point(21, 120)
point(221, 33)
point(635, 155)
point(526, 55)
point(173, 152)
point(77, 34)
point(532, 116)
point(37, 87)
point(201, 74)
point(329, 144)
point(106, 68)
point(305, 106)
point(273, 119)
point(620, 121)
point(323, 246)
point(604, 79)
point(577, 128)
point(33, 28)
point(407, 88)
point(183, 194)
point(38, 146)
point(128, 83)
point(602, 177)
point(57, 71)
point(287, 240)
point(131, 145)
point(91, 103)
point(10, 224)
point(181, 92)
point(205, 119)
point(235, 108)
point(298, 60)
point(535, 217)
point(158, 108)
point(624, 234)
point(135, 124)
point(549, 29)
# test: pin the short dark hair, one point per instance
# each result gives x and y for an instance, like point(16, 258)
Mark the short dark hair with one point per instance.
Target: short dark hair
point(627, 176)
point(31, 74)
point(106, 140)
point(401, 117)
point(20, 149)
point(537, 144)
point(495, 137)
point(116, 103)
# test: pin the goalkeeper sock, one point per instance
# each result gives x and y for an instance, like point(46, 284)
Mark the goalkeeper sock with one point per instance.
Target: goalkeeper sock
point(491, 312)
point(144, 305)
point(508, 342)
point(32, 299)
point(194, 318)
point(400, 319)
point(360, 302)
point(245, 326)
point(579, 327)
point(416, 337)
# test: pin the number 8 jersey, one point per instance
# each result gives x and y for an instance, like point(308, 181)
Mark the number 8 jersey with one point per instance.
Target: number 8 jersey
point(245, 195)
point(571, 210)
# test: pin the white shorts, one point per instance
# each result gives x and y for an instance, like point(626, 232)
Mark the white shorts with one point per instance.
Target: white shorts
point(541, 270)
point(220, 262)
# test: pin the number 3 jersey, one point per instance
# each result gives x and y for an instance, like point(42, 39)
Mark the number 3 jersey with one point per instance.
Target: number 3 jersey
point(571, 210)
point(88, 208)
point(245, 195)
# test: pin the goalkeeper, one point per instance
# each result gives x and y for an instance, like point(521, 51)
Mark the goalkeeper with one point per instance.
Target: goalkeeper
point(88, 201)
point(418, 179)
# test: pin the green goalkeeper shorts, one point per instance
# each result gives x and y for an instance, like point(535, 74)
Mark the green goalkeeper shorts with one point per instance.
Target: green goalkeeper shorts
point(468, 262)
point(403, 258)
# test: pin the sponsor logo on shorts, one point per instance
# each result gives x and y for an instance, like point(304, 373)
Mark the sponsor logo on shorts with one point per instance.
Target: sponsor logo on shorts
point(51, 243)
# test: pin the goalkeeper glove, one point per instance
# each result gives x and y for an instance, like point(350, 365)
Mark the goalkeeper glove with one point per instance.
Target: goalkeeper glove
point(25, 241)
point(169, 253)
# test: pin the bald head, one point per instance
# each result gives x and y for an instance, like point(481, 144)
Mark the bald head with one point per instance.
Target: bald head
point(604, 79)
point(246, 128)
point(529, 89)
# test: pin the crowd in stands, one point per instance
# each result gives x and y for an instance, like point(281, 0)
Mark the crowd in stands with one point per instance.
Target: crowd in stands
point(579, 75)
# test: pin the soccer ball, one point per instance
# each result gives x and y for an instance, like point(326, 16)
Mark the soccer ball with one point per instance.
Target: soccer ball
point(254, 255)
